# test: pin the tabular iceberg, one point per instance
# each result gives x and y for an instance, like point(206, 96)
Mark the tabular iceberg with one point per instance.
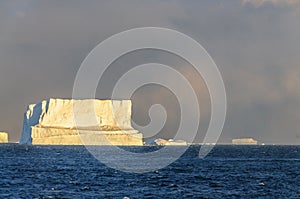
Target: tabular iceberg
point(77, 122)
point(3, 137)
point(244, 141)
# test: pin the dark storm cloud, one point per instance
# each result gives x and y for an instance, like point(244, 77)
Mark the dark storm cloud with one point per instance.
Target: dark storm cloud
point(256, 46)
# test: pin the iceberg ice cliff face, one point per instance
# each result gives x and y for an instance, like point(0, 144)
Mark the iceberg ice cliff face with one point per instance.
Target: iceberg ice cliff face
point(75, 122)
point(33, 116)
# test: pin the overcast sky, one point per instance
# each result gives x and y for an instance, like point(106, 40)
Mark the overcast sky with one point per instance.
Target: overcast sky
point(255, 44)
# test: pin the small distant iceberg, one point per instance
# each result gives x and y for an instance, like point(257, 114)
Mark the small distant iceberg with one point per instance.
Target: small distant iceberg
point(244, 141)
point(170, 142)
point(3, 137)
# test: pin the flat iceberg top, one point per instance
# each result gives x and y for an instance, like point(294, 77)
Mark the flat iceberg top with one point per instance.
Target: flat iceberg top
point(69, 113)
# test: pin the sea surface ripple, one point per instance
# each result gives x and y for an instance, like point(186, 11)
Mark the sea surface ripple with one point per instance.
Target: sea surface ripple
point(227, 172)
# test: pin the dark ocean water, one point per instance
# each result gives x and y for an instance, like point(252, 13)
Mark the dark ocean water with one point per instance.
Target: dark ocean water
point(227, 172)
